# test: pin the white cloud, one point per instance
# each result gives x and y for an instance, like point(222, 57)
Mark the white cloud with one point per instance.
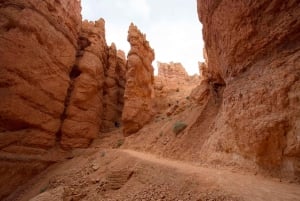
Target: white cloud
point(118, 35)
point(140, 7)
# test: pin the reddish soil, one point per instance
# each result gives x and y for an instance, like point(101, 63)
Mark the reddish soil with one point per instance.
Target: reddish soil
point(105, 172)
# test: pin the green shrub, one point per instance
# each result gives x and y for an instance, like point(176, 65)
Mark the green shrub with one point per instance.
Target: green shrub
point(119, 143)
point(178, 127)
point(42, 190)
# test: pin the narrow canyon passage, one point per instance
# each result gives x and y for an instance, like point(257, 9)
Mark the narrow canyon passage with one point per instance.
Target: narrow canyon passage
point(84, 117)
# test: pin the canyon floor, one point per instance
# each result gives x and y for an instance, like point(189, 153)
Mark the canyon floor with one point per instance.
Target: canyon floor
point(106, 171)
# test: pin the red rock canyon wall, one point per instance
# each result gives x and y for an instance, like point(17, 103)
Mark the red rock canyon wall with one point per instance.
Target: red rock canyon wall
point(114, 86)
point(57, 77)
point(253, 56)
point(84, 108)
point(38, 43)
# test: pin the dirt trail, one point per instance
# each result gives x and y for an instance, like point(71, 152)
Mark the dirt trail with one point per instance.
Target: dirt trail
point(248, 186)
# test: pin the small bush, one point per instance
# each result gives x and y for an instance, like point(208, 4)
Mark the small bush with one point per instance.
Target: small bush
point(178, 127)
point(42, 190)
point(120, 143)
point(177, 90)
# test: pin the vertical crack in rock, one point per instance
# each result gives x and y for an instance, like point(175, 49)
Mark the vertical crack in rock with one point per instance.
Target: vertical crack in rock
point(83, 115)
point(75, 72)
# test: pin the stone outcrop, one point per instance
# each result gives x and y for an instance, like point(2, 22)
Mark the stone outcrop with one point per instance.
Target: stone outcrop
point(113, 89)
point(172, 74)
point(202, 69)
point(254, 77)
point(84, 108)
point(139, 90)
point(37, 52)
point(171, 85)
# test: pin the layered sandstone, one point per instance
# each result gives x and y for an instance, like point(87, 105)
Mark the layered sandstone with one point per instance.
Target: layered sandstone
point(114, 86)
point(121, 82)
point(37, 53)
point(255, 77)
point(172, 84)
point(139, 90)
point(84, 108)
point(172, 74)
point(121, 69)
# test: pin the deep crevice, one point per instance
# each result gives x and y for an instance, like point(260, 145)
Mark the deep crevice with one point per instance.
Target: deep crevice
point(75, 72)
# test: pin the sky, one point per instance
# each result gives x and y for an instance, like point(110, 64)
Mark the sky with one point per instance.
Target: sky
point(171, 27)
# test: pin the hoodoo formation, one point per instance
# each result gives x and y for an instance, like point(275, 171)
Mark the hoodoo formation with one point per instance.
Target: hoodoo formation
point(139, 89)
point(76, 113)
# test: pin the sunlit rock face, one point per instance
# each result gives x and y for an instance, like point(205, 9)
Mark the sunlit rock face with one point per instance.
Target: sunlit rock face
point(253, 61)
point(38, 44)
point(139, 90)
point(37, 54)
point(172, 73)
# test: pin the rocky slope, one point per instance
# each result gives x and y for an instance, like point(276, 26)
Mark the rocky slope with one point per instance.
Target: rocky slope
point(139, 90)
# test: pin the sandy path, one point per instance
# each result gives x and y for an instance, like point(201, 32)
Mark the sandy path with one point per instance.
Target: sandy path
point(250, 187)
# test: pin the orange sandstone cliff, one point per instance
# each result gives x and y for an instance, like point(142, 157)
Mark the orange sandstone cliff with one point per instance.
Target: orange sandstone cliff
point(55, 85)
point(37, 52)
point(114, 86)
point(253, 77)
point(37, 55)
point(172, 74)
point(84, 103)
